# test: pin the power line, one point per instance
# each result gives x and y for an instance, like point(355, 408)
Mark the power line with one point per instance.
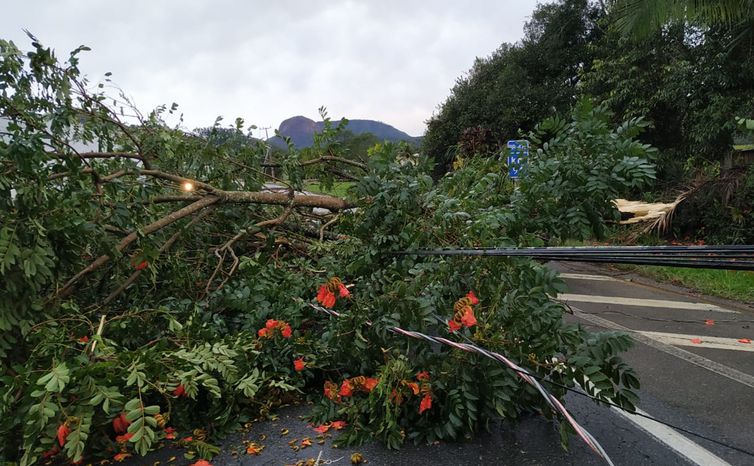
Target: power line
point(728, 257)
point(551, 400)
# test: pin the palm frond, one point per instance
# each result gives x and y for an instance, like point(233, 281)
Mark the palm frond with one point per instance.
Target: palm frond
point(640, 18)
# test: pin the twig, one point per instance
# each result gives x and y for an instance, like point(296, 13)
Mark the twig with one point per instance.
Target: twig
point(99, 333)
point(322, 230)
point(227, 248)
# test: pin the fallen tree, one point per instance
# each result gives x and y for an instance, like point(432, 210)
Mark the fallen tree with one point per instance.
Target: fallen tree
point(151, 285)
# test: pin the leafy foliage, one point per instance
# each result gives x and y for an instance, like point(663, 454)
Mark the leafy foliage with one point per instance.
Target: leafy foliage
point(685, 83)
point(577, 169)
point(142, 298)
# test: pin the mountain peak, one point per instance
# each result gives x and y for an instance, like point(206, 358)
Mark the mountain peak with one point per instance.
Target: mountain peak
point(301, 130)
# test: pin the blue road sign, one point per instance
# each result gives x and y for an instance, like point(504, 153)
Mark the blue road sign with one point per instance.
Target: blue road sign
point(518, 151)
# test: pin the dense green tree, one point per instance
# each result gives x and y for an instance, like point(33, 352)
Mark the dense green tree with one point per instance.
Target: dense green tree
point(687, 83)
point(518, 85)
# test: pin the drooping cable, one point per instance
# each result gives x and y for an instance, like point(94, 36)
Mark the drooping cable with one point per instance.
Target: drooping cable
point(525, 375)
point(528, 376)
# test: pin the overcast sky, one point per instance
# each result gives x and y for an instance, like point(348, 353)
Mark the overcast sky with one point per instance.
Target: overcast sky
point(393, 61)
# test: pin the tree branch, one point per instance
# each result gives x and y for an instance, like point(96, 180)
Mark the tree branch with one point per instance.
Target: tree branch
point(228, 248)
point(167, 245)
point(299, 200)
point(68, 288)
point(324, 158)
point(332, 158)
point(103, 155)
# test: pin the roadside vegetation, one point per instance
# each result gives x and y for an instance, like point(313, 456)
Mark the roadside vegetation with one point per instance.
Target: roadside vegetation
point(152, 291)
point(691, 78)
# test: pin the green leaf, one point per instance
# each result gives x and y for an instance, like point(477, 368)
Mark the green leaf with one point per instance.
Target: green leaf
point(56, 380)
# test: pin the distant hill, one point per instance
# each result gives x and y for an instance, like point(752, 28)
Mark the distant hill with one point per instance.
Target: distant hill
point(301, 131)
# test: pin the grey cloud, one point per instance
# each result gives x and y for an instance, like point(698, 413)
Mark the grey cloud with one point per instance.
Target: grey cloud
point(393, 60)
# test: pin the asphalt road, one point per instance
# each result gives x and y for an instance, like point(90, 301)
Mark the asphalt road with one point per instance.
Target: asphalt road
point(695, 374)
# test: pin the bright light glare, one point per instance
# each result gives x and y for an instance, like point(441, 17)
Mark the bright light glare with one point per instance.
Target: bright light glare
point(188, 186)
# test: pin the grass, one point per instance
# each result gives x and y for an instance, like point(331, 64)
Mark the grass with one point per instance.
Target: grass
point(730, 284)
point(339, 188)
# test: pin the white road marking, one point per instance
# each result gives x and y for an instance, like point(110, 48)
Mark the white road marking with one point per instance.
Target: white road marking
point(687, 356)
point(666, 435)
point(583, 276)
point(679, 339)
point(585, 298)
point(676, 441)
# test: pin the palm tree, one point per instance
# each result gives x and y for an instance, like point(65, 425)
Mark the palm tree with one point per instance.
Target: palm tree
point(639, 18)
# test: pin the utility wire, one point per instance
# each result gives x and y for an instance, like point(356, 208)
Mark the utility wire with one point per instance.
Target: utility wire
point(730, 257)
point(551, 400)
point(470, 347)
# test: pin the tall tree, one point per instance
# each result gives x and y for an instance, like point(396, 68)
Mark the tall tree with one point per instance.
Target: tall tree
point(518, 85)
point(685, 80)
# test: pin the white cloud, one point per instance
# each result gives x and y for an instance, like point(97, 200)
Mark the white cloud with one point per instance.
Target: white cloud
point(391, 60)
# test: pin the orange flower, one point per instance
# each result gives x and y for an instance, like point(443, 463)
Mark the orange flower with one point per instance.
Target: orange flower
point(141, 265)
point(326, 297)
point(271, 325)
point(187, 439)
point(51, 452)
point(124, 438)
point(121, 423)
point(180, 391)
point(396, 397)
point(423, 375)
point(338, 425)
point(331, 390)
point(453, 326)
point(425, 404)
point(345, 389)
point(329, 300)
point(414, 387)
point(322, 429)
point(170, 433)
point(468, 318)
point(326, 292)
point(299, 364)
point(370, 383)
point(63, 431)
point(84, 339)
point(201, 463)
point(121, 456)
point(254, 448)
point(463, 312)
